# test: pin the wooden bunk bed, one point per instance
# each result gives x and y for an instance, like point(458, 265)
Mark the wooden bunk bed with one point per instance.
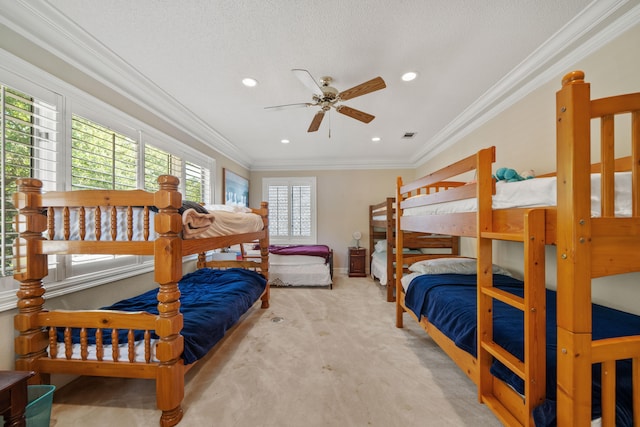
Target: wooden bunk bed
point(382, 242)
point(569, 369)
point(122, 222)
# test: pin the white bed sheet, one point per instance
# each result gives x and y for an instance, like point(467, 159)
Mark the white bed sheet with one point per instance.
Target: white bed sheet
point(296, 270)
point(379, 267)
point(215, 223)
point(108, 353)
point(532, 193)
point(299, 275)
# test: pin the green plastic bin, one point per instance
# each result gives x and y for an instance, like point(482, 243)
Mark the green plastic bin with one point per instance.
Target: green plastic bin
point(38, 410)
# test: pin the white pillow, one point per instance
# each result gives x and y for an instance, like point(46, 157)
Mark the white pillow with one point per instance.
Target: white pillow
point(381, 246)
point(451, 266)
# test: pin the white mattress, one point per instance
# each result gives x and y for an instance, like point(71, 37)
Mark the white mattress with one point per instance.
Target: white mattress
point(532, 193)
point(108, 354)
point(215, 223)
point(105, 224)
point(299, 275)
point(379, 267)
point(296, 270)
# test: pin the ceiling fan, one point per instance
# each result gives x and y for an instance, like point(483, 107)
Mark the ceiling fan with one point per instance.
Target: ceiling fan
point(326, 96)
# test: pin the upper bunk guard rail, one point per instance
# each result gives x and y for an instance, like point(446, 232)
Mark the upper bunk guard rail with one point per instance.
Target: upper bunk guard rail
point(590, 247)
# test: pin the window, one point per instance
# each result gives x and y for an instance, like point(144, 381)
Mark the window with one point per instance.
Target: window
point(29, 131)
point(76, 142)
point(292, 209)
point(101, 158)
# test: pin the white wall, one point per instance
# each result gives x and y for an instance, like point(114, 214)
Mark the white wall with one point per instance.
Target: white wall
point(524, 136)
point(343, 201)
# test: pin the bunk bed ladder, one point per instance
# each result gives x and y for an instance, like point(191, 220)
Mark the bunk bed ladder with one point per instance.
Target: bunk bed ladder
point(511, 408)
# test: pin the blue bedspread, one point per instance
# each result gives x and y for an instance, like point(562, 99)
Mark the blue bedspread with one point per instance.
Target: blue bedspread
point(211, 301)
point(449, 302)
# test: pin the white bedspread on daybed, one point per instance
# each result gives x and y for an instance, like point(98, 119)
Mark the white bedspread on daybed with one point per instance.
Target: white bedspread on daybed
point(298, 270)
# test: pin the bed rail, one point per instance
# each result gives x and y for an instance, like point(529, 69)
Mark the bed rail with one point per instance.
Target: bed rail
point(382, 226)
point(591, 247)
point(30, 267)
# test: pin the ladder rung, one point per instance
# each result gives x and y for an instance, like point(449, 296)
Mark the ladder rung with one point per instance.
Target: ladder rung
point(507, 359)
point(505, 297)
point(500, 410)
point(495, 235)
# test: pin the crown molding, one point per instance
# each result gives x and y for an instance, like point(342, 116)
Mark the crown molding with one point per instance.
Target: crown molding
point(41, 24)
point(328, 164)
point(600, 23)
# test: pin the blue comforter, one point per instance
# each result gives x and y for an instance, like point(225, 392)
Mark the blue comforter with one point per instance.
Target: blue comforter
point(211, 301)
point(449, 302)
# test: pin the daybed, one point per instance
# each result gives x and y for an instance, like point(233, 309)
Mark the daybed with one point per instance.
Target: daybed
point(592, 369)
point(301, 265)
point(163, 337)
point(382, 242)
point(297, 265)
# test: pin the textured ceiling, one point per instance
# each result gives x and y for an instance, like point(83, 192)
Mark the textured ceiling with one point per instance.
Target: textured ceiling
point(198, 51)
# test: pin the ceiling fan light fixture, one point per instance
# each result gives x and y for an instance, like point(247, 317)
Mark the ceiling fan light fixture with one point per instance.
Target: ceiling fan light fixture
point(411, 75)
point(249, 82)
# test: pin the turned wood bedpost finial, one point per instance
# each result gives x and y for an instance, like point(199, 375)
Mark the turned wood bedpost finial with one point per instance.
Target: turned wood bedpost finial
point(29, 268)
point(576, 76)
point(167, 273)
point(264, 253)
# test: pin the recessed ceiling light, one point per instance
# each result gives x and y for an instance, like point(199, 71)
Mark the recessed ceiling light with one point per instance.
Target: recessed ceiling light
point(249, 82)
point(376, 139)
point(285, 141)
point(407, 77)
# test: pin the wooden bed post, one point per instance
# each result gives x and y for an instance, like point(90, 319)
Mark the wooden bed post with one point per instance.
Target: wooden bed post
point(168, 271)
point(264, 255)
point(29, 269)
point(399, 260)
point(573, 251)
point(391, 226)
point(484, 245)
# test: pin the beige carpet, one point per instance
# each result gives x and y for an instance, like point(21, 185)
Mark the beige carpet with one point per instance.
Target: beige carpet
point(317, 357)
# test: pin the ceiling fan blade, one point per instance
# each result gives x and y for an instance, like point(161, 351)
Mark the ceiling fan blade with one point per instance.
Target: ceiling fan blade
point(307, 79)
point(288, 106)
point(363, 89)
point(355, 114)
point(315, 123)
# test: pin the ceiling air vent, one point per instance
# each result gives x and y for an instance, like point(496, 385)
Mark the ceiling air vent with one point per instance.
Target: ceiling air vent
point(408, 135)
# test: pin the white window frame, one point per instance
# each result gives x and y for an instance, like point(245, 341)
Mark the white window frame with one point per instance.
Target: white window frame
point(70, 100)
point(289, 182)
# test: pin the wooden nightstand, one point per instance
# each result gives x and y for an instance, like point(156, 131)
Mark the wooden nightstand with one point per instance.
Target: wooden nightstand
point(357, 262)
point(13, 396)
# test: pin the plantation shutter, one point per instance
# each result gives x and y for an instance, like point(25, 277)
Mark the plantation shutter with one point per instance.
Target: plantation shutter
point(291, 209)
point(29, 133)
point(278, 210)
point(159, 162)
point(101, 158)
point(301, 210)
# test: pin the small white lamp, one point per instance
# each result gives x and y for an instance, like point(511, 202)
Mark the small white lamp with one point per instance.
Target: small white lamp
point(357, 236)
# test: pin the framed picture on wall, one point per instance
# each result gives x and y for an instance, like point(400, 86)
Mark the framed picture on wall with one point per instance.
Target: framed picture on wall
point(235, 188)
